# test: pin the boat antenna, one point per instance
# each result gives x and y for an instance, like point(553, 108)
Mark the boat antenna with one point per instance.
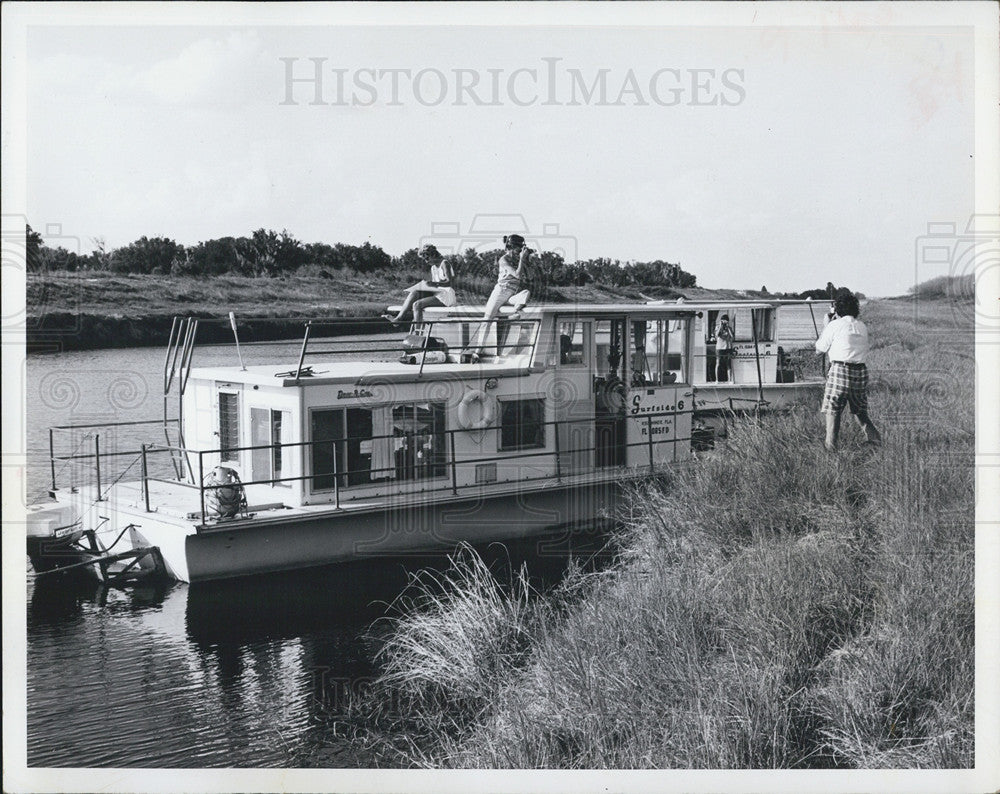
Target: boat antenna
point(232, 322)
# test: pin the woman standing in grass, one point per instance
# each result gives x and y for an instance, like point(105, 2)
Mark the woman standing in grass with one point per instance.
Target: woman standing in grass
point(436, 292)
point(845, 339)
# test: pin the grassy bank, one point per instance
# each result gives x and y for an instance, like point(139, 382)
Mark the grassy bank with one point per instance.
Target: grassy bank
point(77, 310)
point(773, 606)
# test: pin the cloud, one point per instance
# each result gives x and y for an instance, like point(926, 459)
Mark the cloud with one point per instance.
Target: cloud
point(212, 70)
point(222, 71)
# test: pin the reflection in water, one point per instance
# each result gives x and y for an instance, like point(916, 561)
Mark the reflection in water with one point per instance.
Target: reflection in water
point(243, 673)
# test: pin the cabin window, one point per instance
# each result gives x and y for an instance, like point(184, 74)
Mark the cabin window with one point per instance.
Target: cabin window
point(743, 321)
point(765, 328)
point(574, 344)
point(608, 347)
point(522, 424)
point(342, 443)
point(518, 339)
point(658, 352)
point(413, 446)
point(265, 437)
point(229, 426)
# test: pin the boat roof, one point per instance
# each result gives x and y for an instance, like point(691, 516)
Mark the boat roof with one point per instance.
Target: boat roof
point(358, 374)
point(537, 311)
point(747, 303)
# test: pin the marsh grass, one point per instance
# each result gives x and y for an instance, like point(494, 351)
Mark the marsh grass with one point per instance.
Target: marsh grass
point(773, 606)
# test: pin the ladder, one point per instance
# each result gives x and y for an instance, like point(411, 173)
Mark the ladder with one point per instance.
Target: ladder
point(177, 367)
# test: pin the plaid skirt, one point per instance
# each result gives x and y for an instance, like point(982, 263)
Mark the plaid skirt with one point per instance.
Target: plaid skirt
point(846, 383)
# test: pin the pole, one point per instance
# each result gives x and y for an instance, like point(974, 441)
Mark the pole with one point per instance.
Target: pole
point(813, 315)
point(816, 330)
point(201, 482)
point(52, 458)
point(232, 322)
point(649, 433)
point(97, 463)
point(302, 352)
point(336, 471)
point(145, 478)
point(756, 352)
point(172, 347)
point(558, 465)
point(454, 463)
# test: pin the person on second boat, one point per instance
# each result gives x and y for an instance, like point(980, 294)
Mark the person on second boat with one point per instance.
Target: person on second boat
point(845, 339)
point(438, 291)
point(511, 270)
point(724, 344)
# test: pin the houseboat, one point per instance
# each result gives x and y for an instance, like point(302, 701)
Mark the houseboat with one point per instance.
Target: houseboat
point(386, 446)
point(771, 367)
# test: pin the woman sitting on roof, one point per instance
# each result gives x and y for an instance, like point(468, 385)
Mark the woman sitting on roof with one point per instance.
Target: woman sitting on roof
point(436, 292)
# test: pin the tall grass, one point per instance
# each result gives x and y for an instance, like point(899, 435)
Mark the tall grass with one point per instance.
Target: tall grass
point(773, 606)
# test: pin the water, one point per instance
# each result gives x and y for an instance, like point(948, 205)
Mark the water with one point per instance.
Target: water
point(230, 674)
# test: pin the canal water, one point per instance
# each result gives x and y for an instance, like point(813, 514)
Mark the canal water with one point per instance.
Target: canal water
point(231, 674)
point(239, 674)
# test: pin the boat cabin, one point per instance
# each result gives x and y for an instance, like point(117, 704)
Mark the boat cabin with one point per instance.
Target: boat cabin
point(562, 391)
point(387, 443)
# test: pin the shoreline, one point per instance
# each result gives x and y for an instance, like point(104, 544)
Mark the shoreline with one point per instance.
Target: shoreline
point(97, 310)
point(102, 310)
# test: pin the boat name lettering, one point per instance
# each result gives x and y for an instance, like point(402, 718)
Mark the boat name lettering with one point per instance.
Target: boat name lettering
point(356, 394)
point(639, 408)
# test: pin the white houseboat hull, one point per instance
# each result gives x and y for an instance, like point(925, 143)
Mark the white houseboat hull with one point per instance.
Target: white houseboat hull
point(283, 539)
point(265, 546)
point(719, 398)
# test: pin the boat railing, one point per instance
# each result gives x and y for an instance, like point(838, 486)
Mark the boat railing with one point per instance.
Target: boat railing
point(92, 457)
point(424, 329)
point(444, 464)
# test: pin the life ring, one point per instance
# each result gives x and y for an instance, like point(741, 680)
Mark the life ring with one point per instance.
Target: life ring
point(487, 410)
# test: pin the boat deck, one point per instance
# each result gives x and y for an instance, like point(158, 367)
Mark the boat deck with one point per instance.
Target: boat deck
point(180, 504)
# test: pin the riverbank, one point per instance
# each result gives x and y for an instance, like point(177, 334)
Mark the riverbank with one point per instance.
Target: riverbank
point(775, 606)
point(93, 310)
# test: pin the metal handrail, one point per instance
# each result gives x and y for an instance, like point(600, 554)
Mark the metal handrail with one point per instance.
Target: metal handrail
point(396, 348)
point(448, 465)
point(445, 481)
point(112, 424)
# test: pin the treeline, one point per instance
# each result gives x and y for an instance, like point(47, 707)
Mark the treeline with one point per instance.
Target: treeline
point(270, 254)
point(946, 287)
point(827, 293)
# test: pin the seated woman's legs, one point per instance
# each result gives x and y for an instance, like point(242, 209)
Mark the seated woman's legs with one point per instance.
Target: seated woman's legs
point(411, 299)
point(423, 303)
point(500, 295)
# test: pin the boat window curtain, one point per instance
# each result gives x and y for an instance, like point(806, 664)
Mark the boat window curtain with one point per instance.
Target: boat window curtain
point(383, 444)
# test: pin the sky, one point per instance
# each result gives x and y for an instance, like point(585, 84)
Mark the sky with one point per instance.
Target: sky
point(753, 156)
